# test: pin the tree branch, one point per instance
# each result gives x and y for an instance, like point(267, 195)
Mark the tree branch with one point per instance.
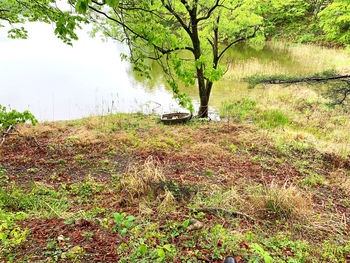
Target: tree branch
point(177, 16)
point(211, 10)
point(238, 40)
point(160, 49)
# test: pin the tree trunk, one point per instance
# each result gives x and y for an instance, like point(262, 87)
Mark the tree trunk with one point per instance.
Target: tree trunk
point(204, 99)
point(203, 108)
point(204, 85)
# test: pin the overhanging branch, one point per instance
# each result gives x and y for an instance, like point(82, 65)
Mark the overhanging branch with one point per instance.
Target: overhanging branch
point(126, 27)
point(238, 40)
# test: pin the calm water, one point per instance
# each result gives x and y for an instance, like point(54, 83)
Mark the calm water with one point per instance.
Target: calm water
point(58, 82)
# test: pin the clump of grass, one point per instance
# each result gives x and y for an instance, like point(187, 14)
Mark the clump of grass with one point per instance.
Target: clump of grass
point(273, 119)
point(138, 181)
point(246, 109)
point(86, 189)
point(167, 203)
point(215, 197)
point(238, 110)
point(283, 202)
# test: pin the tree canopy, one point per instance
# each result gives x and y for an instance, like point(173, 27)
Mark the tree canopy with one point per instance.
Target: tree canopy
point(335, 21)
point(15, 12)
point(187, 38)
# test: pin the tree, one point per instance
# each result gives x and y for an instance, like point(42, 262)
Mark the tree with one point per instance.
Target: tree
point(335, 21)
point(14, 12)
point(188, 38)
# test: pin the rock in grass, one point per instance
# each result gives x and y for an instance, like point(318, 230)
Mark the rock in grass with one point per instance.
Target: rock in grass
point(230, 260)
point(60, 239)
point(195, 225)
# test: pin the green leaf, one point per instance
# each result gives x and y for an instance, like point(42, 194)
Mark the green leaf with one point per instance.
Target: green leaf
point(112, 3)
point(186, 223)
point(82, 6)
point(167, 247)
point(161, 253)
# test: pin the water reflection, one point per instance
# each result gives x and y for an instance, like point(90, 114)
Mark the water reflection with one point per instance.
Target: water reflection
point(57, 82)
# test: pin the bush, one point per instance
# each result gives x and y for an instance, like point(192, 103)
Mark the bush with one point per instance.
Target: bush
point(14, 117)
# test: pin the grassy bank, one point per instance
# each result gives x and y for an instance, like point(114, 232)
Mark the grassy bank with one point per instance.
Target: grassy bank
point(127, 188)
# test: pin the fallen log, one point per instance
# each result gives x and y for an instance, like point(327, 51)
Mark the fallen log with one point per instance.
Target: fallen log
point(340, 84)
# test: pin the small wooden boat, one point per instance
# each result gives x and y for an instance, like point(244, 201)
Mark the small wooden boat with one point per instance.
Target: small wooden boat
point(172, 118)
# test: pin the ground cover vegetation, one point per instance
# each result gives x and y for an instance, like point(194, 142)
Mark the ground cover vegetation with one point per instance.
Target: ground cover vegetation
point(127, 188)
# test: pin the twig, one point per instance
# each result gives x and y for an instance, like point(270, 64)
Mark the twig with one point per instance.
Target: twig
point(5, 134)
point(11, 127)
point(51, 208)
point(220, 211)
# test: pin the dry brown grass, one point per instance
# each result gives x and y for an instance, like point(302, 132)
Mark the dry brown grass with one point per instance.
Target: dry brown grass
point(204, 150)
point(282, 202)
point(138, 181)
point(86, 136)
point(41, 129)
point(346, 185)
point(167, 203)
point(341, 179)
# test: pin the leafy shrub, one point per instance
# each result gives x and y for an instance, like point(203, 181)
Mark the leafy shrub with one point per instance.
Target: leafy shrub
point(10, 118)
point(335, 21)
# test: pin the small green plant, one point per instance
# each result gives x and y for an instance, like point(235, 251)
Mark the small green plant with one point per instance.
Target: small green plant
point(86, 189)
point(3, 177)
point(113, 127)
point(124, 223)
point(164, 251)
point(313, 180)
point(73, 253)
point(62, 161)
point(88, 234)
point(11, 235)
point(111, 153)
point(333, 252)
point(209, 172)
point(32, 170)
point(233, 148)
point(262, 254)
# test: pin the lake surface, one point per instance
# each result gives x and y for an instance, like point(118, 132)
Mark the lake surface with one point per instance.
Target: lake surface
point(58, 82)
